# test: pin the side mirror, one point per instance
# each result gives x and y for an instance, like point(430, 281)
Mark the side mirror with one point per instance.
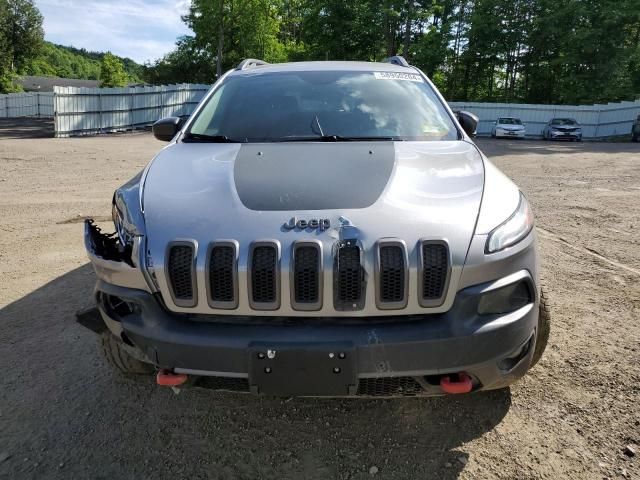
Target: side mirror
point(166, 128)
point(468, 121)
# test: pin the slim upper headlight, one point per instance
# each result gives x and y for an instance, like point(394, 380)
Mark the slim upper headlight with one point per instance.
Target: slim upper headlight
point(123, 235)
point(512, 230)
point(116, 216)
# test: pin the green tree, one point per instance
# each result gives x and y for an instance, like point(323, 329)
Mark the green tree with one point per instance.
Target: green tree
point(188, 63)
point(112, 72)
point(532, 51)
point(228, 31)
point(21, 25)
point(21, 37)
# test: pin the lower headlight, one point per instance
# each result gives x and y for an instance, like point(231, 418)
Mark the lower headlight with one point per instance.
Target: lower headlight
point(506, 299)
point(514, 229)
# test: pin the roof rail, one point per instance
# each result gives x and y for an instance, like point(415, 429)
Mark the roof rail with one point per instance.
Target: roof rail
point(397, 60)
point(250, 63)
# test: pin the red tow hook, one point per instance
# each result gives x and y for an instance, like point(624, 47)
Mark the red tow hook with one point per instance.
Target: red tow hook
point(167, 378)
point(456, 383)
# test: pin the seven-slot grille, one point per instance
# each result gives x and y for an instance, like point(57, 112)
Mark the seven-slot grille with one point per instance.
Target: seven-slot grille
point(434, 274)
point(307, 276)
point(223, 276)
point(181, 272)
point(263, 275)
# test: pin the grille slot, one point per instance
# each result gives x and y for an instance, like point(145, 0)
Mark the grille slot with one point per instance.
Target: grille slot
point(392, 274)
point(223, 278)
point(348, 279)
point(307, 276)
point(389, 386)
point(182, 274)
point(434, 261)
point(264, 276)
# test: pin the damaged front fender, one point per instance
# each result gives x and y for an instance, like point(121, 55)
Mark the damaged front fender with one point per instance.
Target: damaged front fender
point(119, 258)
point(128, 201)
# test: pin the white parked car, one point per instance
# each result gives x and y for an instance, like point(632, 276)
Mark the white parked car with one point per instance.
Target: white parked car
point(508, 127)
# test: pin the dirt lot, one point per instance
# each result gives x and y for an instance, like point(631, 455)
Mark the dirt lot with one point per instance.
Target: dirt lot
point(63, 414)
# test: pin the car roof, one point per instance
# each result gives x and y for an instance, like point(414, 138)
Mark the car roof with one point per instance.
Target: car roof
point(325, 66)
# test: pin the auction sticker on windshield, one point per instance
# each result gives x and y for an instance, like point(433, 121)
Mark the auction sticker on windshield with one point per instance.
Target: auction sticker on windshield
point(412, 77)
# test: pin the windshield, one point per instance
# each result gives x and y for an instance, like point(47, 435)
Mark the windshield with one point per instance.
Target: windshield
point(563, 121)
point(330, 105)
point(509, 121)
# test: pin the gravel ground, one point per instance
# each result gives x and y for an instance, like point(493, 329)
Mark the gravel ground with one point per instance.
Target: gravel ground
point(63, 414)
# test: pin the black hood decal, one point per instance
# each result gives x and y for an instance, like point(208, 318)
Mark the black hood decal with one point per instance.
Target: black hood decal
point(312, 176)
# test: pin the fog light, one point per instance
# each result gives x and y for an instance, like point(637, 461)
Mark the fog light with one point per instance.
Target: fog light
point(116, 307)
point(504, 300)
point(513, 359)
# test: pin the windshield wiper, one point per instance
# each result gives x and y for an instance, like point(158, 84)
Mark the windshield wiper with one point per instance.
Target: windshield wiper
point(201, 137)
point(330, 138)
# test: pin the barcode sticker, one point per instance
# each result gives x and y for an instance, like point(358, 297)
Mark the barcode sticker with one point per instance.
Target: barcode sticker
point(411, 77)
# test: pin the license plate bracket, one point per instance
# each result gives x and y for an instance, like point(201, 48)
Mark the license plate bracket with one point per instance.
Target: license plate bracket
point(302, 370)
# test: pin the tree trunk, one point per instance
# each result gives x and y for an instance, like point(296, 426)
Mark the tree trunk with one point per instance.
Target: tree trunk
point(388, 34)
point(407, 29)
point(220, 40)
point(456, 51)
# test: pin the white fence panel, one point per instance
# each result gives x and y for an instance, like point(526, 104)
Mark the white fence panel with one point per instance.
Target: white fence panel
point(26, 105)
point(46, 104)
point(86, 111)
point(597, 121)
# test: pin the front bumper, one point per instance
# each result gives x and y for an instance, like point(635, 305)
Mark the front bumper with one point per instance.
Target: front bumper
point(560, 135)
point(510, 133)
point(387, 356)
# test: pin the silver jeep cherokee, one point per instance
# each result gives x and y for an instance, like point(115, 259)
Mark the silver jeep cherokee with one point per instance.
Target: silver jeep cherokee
point(320, 229)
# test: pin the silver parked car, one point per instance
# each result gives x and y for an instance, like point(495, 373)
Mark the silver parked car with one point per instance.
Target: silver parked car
point(508, 127)
point(320, 229)
point(562, 129)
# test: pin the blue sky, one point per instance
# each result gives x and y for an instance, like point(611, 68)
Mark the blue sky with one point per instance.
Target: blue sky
point(138, 29)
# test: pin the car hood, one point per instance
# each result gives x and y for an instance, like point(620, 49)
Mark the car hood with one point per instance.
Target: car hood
point(246, 192)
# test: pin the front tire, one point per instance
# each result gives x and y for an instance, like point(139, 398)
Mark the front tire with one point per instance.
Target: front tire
point(118, 357)
point(544, 328)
